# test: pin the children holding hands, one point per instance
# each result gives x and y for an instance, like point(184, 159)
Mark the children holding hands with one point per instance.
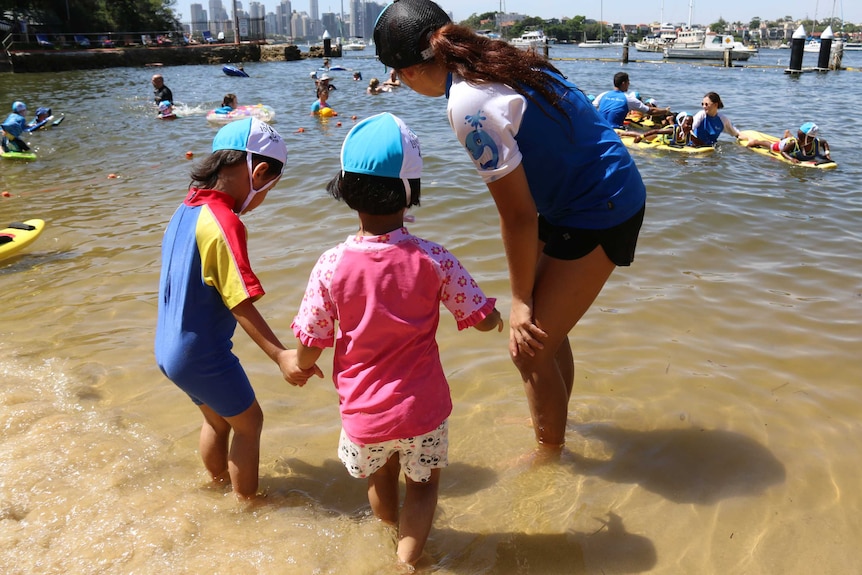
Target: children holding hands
point(375, 297)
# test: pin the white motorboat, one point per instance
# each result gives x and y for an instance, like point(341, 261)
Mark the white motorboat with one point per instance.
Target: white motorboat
point(713, 47)
point(814, 45)
point(689, 38)
point(652, 44)
point(532, 39)
point(354, 44)
point(657, 42)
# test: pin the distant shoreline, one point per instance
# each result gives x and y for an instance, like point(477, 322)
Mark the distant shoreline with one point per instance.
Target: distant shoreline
point(34, 61)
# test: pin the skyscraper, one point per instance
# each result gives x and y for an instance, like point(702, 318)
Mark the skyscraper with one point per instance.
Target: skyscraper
point(197, 18)
point(357, 18)
point(217, 11)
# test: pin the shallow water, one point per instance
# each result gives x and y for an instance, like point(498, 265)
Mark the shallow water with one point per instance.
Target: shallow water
point(714, 427)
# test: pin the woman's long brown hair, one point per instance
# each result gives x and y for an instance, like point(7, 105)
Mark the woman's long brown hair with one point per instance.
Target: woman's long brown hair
point(479, 59)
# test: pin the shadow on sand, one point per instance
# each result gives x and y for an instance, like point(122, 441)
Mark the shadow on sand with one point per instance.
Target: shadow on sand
point(700, 466)
point(611, 548)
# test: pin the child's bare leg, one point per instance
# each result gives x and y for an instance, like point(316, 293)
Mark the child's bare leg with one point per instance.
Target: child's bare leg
point(420, 502)
point(758, 144)
point(213, 443)
point(244, 456)
point(383, 490)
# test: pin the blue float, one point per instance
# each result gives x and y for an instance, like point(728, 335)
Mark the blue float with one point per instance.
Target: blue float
point(234, 71)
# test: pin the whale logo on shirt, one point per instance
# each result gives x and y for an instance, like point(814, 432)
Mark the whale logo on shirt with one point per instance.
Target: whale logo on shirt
point(480, 145)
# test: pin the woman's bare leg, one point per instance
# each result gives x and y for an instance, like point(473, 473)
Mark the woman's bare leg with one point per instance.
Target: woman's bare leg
point(563, 292)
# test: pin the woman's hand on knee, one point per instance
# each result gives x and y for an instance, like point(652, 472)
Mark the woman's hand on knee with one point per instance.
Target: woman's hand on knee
point(525, 337)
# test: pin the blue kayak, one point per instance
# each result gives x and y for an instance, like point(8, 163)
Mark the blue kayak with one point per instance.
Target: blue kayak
point(234, 71)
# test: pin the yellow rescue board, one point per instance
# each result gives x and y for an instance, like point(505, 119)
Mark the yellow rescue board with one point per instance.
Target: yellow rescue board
point(746, 135)
point(18, 236)
point(658, 143)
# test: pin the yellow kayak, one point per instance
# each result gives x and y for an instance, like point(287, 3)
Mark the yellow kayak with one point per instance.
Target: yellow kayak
point(746, 135)
point(18, 236)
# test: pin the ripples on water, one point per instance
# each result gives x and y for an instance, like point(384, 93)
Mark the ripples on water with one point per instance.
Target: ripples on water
point(714, 425)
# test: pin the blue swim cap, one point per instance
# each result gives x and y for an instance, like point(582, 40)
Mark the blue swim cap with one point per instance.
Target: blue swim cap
point(43, 110)
point(18, 106)
point(382, 145)
point(251, 135)
point(809, 129)
point(164, 105)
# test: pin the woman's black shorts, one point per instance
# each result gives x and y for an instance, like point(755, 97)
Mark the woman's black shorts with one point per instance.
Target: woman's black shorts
point(573, 243)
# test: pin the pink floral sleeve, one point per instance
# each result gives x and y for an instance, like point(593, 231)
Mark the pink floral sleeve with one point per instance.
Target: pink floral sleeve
point(460, 293)
point(314, 324)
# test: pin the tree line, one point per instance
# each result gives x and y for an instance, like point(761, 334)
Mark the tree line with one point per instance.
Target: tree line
point(578, 28)
point(93, 15)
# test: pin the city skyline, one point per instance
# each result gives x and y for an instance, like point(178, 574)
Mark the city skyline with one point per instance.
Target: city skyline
point(616, 11)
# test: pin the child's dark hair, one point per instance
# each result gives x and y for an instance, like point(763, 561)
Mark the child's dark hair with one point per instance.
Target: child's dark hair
point(375, 195)
point(205, 174)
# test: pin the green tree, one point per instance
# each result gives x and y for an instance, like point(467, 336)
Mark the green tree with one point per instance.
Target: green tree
point(475, 21)
point(754, 24)
point(96, 15)
point(528, 23)
point(719, 27)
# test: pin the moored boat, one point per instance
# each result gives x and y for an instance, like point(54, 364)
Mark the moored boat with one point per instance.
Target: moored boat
point(532, 39)
point(689, 38)
point(713, 47)
point(657, 42)
point(813, 45)
point(355, 44)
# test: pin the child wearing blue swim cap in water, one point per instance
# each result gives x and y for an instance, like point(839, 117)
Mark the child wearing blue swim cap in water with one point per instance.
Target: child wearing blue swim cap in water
point(804, 147)
point(383, 288)
point(207, 287)
point(12, 127)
